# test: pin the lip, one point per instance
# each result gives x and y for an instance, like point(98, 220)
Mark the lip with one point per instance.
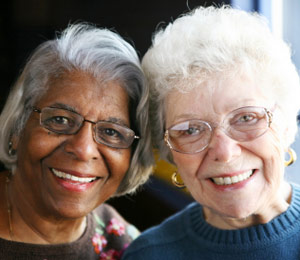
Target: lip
point(232, 181)
point(74, 181)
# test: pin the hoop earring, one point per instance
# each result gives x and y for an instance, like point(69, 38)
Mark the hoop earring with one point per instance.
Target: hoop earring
point(11, 150)
point(293, 157)
point(176, 182)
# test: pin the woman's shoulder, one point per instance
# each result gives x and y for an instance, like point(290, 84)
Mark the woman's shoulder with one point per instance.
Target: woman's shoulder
point(295, 187)
point(106, 215)
point(109, 214)
point(173, 225)
point(171, 230)
point(106, 211)
point(111, 233)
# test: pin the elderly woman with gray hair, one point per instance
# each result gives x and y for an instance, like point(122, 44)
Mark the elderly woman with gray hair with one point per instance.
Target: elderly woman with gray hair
point(74, 132)
point(224, 99)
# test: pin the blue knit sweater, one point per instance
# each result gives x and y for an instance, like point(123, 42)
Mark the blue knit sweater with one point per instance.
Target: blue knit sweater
point(187, 236)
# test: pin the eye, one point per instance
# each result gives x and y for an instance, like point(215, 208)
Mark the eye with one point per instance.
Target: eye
point(111, 132)
point(246, 121)
point(247, 118)
point(192, 131)
point(60, 120)
point(188, 129)
point(110, 135)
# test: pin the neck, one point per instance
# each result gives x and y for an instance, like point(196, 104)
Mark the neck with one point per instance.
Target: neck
point(27, 226)
point(261, 216)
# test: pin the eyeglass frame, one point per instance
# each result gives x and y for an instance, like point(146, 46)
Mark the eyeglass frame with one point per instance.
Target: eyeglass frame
point(40, 110)
point(211, 127)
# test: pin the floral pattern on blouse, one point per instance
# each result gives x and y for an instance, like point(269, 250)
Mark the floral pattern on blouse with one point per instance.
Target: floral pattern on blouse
point(113, 227)
point(99, 242)
point(111, 254)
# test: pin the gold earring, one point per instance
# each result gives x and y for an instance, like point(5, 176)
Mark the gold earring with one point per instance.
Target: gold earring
point(11, 150)
point(176, 182)
point(293, 157)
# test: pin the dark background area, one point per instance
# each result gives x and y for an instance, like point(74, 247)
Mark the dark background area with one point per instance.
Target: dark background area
point(26, 24)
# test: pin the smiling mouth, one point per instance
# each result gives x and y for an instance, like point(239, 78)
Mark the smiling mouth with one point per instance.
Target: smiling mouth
point(233, 179)
point(67, 176)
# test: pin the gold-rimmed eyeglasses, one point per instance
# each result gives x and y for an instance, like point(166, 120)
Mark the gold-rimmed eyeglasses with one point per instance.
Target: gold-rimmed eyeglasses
point(242, 124)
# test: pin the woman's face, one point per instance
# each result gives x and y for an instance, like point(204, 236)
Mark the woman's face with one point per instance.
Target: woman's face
point(262, 158)
point(42, 153)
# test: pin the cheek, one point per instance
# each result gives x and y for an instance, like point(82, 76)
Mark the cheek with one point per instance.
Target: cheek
point(187, 165)
point(275, 144)
point(269, 149)
point(118, 161)
point(36, 145)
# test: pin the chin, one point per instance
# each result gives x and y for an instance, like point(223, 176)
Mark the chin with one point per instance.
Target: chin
point(72, 211)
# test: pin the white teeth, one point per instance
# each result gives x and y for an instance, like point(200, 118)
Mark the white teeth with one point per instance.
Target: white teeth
point(219, 181)
point(227, 180)
point(233, 179)
point(72, 177)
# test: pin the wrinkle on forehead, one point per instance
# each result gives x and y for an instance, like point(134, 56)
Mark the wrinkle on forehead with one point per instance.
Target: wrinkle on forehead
point(214, 98)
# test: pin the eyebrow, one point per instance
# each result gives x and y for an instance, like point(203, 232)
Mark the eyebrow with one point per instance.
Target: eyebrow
point(186, 116)
point(64, 106)
point(116, 120)
point(72, 109)
point(190, 116)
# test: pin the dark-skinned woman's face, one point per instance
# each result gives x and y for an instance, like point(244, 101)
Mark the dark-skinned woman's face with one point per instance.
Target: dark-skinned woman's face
point(70, 175)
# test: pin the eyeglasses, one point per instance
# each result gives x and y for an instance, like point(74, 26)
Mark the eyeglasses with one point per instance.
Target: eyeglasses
point(63, 121)
point(243, 124)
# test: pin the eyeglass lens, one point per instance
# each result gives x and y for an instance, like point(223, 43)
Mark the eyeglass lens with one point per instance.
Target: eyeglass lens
point(243, 124)
point(63, 121)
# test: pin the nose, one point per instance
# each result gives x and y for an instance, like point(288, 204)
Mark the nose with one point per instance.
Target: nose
point(82, 144)
point(222, 148)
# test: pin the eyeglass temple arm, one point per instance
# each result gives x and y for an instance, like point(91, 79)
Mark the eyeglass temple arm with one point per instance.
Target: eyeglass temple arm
point(35, 109)
point(270, 116)
point(166, 139)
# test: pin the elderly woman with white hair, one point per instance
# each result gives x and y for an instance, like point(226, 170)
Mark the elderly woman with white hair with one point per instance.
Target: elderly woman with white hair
point(74, 133)
point(224, 99)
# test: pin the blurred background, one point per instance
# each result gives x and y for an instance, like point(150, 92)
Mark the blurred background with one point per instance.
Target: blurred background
point(26, 24)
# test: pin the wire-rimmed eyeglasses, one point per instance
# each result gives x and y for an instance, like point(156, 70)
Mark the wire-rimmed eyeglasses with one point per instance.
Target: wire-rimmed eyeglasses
point(63, 121)
point(243, 124)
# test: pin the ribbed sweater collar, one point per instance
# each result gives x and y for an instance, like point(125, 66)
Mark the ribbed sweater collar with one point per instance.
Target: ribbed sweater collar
point(286, 223)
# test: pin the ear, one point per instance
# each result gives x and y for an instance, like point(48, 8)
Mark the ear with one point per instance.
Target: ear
point(14, 141)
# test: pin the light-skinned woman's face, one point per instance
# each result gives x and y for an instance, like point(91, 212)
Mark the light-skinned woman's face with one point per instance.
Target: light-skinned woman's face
point(260, 159)
point(94, 171)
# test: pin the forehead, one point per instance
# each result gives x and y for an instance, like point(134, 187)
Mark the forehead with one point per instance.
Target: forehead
point(86, 95)
point(78, 81)
point(214, 98)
